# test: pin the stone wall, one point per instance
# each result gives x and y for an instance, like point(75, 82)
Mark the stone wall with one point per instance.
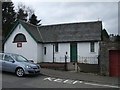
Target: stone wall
point(105, 47)
point(88, 68)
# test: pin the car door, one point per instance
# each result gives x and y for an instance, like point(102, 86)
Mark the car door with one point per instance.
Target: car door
point(9, 63)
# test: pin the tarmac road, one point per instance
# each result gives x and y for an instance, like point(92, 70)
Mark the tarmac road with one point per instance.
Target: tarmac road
point(41, 81)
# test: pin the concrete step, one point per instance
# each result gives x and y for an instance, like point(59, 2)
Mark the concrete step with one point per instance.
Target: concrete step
point(71, 66)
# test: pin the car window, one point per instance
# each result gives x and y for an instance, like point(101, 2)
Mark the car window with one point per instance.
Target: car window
point(19, 58)
point(1, 56)
point(8, 58)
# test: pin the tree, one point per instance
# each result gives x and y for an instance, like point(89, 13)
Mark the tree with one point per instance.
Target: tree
point(8, 17)
point(33, 20)
point(22, 15)
point(24, 12)
point(117, 38)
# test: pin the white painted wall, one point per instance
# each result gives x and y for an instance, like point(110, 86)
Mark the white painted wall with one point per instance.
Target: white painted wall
point(58, 56)
point(28, 49)
point(84, 51)
point(49, 53)
point(62, 49)
point(39, 53)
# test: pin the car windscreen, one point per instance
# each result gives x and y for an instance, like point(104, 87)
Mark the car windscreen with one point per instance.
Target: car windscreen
point(19, 58)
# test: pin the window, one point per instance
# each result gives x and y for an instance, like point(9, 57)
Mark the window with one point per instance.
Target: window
point(92, 47)
point(19, 58)
point(56, 47)
point(20, 38)
point(8, 58)
point(44, 50)
point(1, 56)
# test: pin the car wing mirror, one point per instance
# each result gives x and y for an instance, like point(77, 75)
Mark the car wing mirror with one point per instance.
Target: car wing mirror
point(12, 61)
point(31, 61)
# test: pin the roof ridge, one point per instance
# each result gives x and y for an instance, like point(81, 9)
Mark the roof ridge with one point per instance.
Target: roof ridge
point(70, 23)
point(28, 23)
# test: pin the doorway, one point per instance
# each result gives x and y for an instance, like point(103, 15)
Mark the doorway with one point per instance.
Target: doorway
point(73, 52)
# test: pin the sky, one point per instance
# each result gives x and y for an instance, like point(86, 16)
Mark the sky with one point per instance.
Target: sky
point(72, 11)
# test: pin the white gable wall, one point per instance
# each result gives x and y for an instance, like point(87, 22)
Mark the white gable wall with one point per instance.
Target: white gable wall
point(28, 49)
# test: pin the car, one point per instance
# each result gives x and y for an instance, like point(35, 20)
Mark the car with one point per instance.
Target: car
point(18, 64)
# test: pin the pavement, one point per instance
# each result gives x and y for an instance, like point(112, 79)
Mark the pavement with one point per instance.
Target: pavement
point(86, 77)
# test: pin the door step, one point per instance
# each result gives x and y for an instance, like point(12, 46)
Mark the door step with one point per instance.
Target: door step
point(71, 66)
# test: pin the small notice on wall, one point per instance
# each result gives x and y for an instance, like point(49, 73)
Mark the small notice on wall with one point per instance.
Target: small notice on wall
point(19, 44)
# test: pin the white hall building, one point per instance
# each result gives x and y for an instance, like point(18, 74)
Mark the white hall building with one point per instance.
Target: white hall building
point(50, 43)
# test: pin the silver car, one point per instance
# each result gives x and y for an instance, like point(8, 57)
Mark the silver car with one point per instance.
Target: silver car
point(18, 64)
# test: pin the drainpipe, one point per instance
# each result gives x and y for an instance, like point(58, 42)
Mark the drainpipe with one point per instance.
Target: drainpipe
point(53, 53)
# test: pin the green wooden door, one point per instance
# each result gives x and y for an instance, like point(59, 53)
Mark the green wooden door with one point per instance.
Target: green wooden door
point(73, 52)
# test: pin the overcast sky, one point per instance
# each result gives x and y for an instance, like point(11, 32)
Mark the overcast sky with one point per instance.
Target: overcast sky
point(69, 12)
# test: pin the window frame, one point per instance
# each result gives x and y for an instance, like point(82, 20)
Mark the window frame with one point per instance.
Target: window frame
point(10, 60)
point(92, 47)
point(45, 50)
point(56, 47)
point(17, 36)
